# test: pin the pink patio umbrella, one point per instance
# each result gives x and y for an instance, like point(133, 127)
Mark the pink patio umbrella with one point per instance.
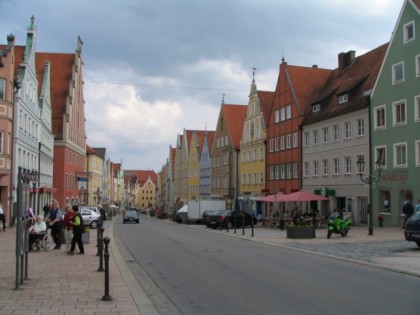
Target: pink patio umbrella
point(302, 195)
point(271, 198)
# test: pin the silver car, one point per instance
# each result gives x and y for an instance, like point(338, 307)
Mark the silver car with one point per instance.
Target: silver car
point(90, 217)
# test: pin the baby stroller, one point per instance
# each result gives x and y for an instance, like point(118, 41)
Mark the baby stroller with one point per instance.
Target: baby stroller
point(41, 241)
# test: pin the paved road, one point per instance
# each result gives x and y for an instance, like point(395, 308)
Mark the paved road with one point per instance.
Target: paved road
point(386, 248)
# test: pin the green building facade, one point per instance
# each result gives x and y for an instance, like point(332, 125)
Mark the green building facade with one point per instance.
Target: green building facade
point(395, 119)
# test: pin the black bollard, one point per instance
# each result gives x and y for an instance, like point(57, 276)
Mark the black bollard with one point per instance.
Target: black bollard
point(106, 296)
point(98, 236)
point(252, 227)
point(101, 250)
point(234, 224)
point(243, 225)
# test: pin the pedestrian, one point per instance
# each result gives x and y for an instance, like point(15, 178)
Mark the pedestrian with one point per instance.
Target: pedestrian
point(78, 229)
point(2, 217)
point(68, 228)
point(55, 222)
point(37, 230)
point(408, 211)
point(46, 210)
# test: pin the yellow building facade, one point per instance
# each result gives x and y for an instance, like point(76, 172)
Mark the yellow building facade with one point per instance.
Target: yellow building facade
point(252, 158)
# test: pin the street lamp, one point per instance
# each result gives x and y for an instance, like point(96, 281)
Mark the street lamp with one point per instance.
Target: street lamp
point(370, 180)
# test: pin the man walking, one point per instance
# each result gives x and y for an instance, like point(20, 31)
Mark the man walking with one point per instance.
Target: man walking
point(55, 221)
point(78, 229)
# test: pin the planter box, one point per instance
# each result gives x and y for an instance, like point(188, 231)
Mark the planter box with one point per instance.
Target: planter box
point(301, 232)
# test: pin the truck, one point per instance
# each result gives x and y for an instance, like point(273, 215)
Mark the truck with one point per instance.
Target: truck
point(197, 207)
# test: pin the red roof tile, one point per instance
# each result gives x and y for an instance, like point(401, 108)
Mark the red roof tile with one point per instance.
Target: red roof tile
point(60, 76)
point(357, 79)
point(235, 118)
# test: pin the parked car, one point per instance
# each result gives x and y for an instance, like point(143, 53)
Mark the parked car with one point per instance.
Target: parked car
point(228, 218)
point(131, 215)
point(205, 218)
point(90, 217)
point(412, 229)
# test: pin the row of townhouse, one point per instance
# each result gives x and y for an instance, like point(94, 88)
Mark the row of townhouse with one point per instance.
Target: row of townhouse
point(42, 131)
point(310, 133)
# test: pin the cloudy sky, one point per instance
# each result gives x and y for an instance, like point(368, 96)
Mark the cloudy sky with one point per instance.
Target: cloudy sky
point(155, 67)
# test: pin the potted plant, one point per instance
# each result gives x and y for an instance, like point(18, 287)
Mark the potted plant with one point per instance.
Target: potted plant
point(380, 220)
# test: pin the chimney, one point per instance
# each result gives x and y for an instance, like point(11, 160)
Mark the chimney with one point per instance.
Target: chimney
point(315, 66)
point(346, 59)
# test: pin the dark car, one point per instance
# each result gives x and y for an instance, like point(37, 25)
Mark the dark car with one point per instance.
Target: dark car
point(205, 218)
point(412, 229)
point(131, 216)
point(228, 218)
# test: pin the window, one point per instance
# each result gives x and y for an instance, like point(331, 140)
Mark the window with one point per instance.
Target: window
point(282, 114)
point(1, 142)
point(243, 157)
point(315, 168)
point(282, 143)
point(261, 153)
point(276, 116)
point(306, 169)
point(347, 161)
point(417, 144)
point(316, 108)
point(400, 155)
point(347, 130)
point(418, 65)
point(399, 113)
point(271, 145)
point(417, 108)
point(2, 89)
point(360, 127)
point(315, 136)
point(289, 171)
point(380, 117)
point(295, 139)
point(282, 171)
point(288, 111)
point(398, 73)
point(276, 144)
point(288, 141)
point(336, 133)
point(343, 99)
point(325, 135)
point(306, 138)
point(261, 178)
point(409, 32)
point(325, 167)
point(295, 170)
point(336, 163)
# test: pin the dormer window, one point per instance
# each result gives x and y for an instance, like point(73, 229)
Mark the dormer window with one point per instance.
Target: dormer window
point(316, 108)
point(343, 98)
